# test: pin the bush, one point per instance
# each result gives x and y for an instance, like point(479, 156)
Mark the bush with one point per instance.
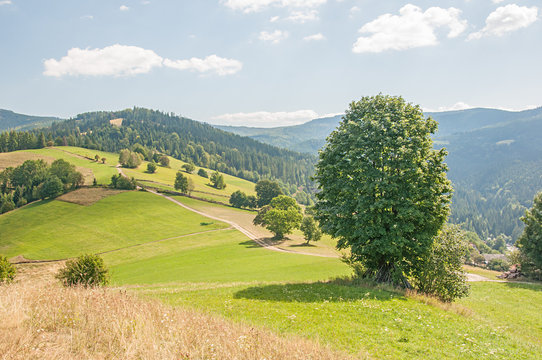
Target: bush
point(498, 265)
point(440, 274)
point(7, 270)
point(86, 270)
point(151, 168)
point(189, 168)
point(122, 183)
point(203, 173)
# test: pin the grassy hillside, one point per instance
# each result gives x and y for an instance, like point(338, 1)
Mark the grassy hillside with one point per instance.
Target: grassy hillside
point(13, 121)
point(165, 252)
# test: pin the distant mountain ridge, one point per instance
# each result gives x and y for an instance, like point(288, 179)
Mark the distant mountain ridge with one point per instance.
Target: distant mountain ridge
point(10, 120)
point(310, 136)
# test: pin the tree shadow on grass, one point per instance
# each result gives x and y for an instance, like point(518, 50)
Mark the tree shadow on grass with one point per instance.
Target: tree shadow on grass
point(302, 245)
point(317, 292)
point(269, 241)
point(535, 286)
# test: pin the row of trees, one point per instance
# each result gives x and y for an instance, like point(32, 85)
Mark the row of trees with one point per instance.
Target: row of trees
point(35, 179)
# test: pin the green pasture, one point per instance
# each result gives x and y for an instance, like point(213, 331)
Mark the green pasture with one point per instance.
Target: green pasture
point(57, 229)
point(166, 176)
point(102, 172)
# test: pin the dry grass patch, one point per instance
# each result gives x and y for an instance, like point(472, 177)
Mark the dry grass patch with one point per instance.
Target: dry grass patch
point(50, 322)
point(116, 122)
point(88, 196)
point(13, 159)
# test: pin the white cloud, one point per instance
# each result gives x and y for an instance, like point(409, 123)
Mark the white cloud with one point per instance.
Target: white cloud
point(303, 16)
point(274, 19)
point(5, 2)
point(410, 29)
point(124, 8)
point(266, 119)
point(122, 60)
point(457, 106)
point(145, 2)
point(506, 19)
point(497, 1)
point(354, 10)
point(248, 6)
point(274, 37)
point(211, 64)
point(87, 17)
point(315, 37)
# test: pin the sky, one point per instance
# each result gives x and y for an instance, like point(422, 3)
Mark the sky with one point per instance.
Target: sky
point(267, 62)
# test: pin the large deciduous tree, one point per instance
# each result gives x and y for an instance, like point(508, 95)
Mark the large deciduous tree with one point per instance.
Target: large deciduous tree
point(383, 188)
point(181, 182)
point(530, 242)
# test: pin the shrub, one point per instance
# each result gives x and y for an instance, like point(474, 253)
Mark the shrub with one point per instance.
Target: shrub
point(7, 270)
point(122, 183)
point(498, 265)
point(203, 173)
point(189, 168)
point(440, 274)
point(151, 168)
point(86, 270)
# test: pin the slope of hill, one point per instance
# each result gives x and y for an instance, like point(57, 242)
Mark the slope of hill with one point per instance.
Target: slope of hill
point(13, 121)
point(162, 251)
point(182, 138)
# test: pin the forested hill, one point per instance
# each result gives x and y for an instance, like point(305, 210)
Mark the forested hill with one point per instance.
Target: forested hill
point(179, 137)
point(13, 121)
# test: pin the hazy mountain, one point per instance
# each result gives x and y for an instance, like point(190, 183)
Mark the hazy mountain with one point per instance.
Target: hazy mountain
point(307, 137)
point(13, 121)
point(310, 136)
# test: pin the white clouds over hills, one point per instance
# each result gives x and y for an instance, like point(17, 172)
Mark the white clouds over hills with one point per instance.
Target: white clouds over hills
point(412, 28)
point(506, 19)
point(266, 119)
point(123, 60)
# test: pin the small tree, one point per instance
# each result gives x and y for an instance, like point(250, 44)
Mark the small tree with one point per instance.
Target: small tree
point(7, 270)
point(189, 168)
point(266, 190)
point(310, 229)
point(104, 160)
point(217, 180)
point(123, 183)
point(203, 173)
point(281, 216)
point(164, 161)
point(191, 186)
point(96, 157)
point(151, 168)
point(181, 182)
point(530, 242)
point(441, 273)
point(86, 270)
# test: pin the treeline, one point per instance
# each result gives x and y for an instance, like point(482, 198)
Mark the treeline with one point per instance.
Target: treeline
point(35, 179)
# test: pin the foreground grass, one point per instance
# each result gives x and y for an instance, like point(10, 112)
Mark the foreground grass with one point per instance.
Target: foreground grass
point(377, 322)
point(58, 323)
point(57, 229)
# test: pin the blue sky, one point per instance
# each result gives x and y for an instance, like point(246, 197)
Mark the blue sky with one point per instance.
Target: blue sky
point(266, 62)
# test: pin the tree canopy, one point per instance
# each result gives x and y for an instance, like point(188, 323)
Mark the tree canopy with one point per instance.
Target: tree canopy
point(266, 190)
point(383, 189)
point(530, 242)
point(181, 182)
point(281, 216)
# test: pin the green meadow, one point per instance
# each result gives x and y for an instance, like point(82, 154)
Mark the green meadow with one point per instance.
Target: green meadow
point(57, 229)
point(161, 250)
